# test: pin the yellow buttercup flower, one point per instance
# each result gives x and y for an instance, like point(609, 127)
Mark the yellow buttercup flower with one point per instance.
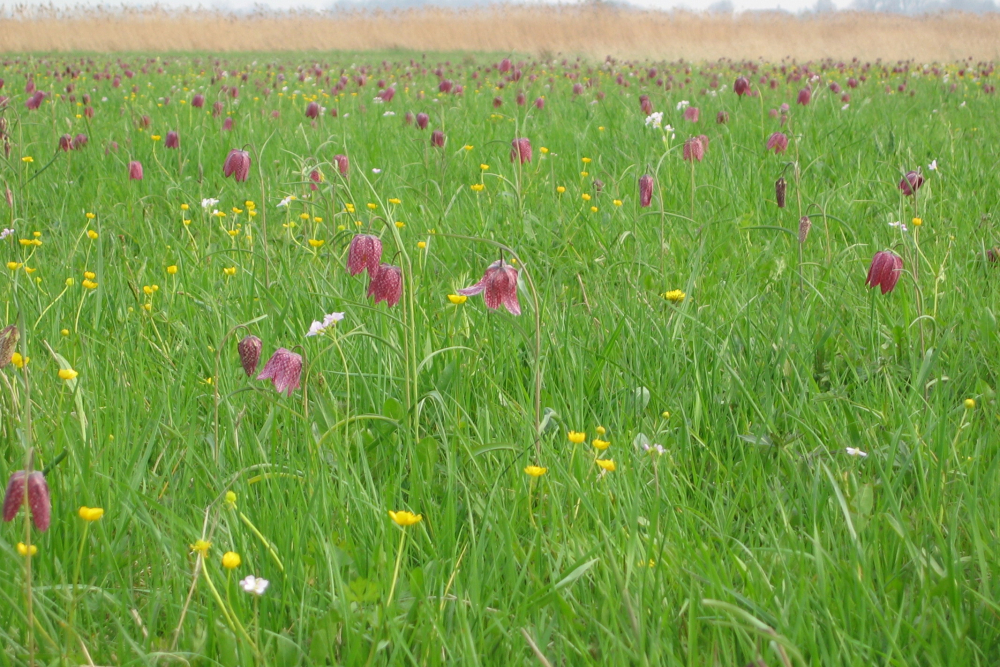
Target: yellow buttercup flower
point(172, 269)
point(92, 234)
point(14, 266)
point(543, 150)
point(400, 225)
point(65, 332)
point(89, 275)
point(372, 206)
point(601, 430)
point(593, 209)
point(674, 295)
point(154, 137)
point(405, 518)
point(484, 167)
point(89, 284)
point(477, 187)
point(231, 560)
point(27, 158)
point(600, 444)
point(316, 243)
point(18, 360)
point(606, 464)
point(585, 196)
point(201, 547)
point(457, 299)
point(535, 471)
point(91, 513)
point(91, 216)
point(184, 207)
point(576, 437)
point(617, 202)
point(24, 551)
point(395, 200)
point(231, 498)
point(585, 160)
point(67, 374)
point(229, 270)
point(970, 404)
point(917, 222)
point(421, 244)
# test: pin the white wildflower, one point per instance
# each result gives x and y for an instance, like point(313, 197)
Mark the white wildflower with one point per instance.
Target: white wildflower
point(655, 119)
point(682, 105)
point(852, 451)
point(254, 585)
point(316, 328)
point(933, 165)
point(209, 203)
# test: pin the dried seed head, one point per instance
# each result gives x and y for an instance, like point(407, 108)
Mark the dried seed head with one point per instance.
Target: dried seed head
point(249, 349)
point(8, 344)
point(804, 226)
point(779, 191)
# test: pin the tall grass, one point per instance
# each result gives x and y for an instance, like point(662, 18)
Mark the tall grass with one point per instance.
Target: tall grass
point(754, 536)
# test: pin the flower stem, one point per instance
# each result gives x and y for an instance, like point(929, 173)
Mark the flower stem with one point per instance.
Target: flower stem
point(395, 572)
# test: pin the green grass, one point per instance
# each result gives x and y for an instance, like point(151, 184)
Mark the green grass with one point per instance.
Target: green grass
point(754, 536)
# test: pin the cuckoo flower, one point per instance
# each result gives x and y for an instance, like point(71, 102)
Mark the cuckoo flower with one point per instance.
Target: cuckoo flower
point(365, 252)
point(283, 369)
point(498, 286)
point(387, 284)
point(645, 190)
point(884, 271)
point(237, 165)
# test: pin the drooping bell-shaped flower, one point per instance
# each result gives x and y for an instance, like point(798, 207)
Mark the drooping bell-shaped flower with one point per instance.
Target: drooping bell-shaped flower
point(437, 139)
point(365, 252)
point(780, 187)
point(692, 114)
point(911, 182)
point(237, 165)
point(645, 190)
point(805, 224)
point(422, 120)
point(249, 349)
point(777, 142)
point(343, 164)
point(694, 150)
point(498, 287)
point(741, 86)
point(520, 149)
point(173, 140)
point(283, 369)
point(66, 142)
point(312, 110)
point(805, 95)
point(884, 271)
point(387, 284)
point(135, 170)
point(198, 101)
point(14, 497)
point(79, 141)
point(39, 501)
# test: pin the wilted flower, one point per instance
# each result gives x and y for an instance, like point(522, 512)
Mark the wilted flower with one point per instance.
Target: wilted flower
point(498, 286)
point(805, 224)
point(365, 252)
point(741, 86)
point(645, 190)
point(779, 191)
point(387, 284)
point(173, 140)
point(249, 349)
point(135, 170)
point(312, 110)
point(283, 369)
point(911, 182)
point(237, 165)
point(777, 142)
point(520, 149)
point(8, 343)
point(884, 271)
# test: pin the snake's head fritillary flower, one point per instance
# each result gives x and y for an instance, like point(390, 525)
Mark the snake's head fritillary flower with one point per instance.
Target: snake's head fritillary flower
point(227, 124)
point(312, 110)
point(645, 190)
point(135, 170)
point(408, 118)
point(722, 118)
point(835, 88)
point(387, 94)
point(387, 284)
point(884, 271)
point(805, 224)
point(694, 150)
point(8, 343)
point(577, 89)
point(35, 101)
point(237, 165)
point(66, 142)
point(692, 114)
point(79, 141)
point(780, 188)
point(741, 86)
point(498, 287)
point(805, 95)
point(39, 501)
point(14, 497)
point(777, 142)
point(422, 120)
point(365, 252)
point(520, 149)
point(540, 103)
point(283, 369)
point(249, 349)
point(343, 164)
point(645, 104)
point(911, 182)
point(437, 139)
point(504, 66)
point(173, 140)
point(445, 86)
point(198, 101)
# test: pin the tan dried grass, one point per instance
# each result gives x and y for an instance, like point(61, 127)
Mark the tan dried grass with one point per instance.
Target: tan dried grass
point(594, 31)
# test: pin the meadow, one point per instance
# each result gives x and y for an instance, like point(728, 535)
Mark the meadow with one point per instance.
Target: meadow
point(676, 423)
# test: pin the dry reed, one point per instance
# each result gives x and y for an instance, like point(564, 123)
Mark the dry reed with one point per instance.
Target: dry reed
point(593, 31)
